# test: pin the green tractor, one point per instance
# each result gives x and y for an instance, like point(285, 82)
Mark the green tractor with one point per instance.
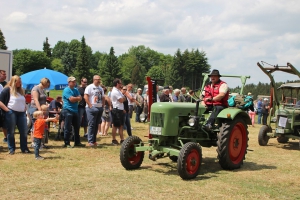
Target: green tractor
point(177, 131)
point(284, 115)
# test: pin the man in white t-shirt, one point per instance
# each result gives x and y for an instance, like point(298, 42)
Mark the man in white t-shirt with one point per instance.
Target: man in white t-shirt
point(117, 99)
point(95, 100)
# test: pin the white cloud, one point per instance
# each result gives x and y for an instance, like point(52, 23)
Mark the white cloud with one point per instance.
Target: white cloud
point(235, 34)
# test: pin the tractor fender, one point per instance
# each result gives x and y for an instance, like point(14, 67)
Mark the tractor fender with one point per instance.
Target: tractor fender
point(232, 113)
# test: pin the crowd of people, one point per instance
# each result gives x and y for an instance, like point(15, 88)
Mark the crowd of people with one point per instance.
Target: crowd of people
point(94, 107)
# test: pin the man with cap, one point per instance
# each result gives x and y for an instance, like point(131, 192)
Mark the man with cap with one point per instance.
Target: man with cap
point(215, 96)
point(71, 97)
point(164, 97)
point(265, 111)
point(139, 107)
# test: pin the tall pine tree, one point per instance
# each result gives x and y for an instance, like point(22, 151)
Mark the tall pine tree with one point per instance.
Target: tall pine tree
point(82, 64)
point(2, 41)
point(46, 48)
point(110, 68)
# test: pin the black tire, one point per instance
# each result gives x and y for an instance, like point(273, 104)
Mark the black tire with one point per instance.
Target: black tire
point(189, 160)
point(282, 139)
point(130, 159)
point(263, 138)
point(173, 158)
point(232, 143)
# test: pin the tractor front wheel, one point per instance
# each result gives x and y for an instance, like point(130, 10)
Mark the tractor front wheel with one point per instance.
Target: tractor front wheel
point(263, 138)
point(189, 160)
point(232, 143)
point(131, 159)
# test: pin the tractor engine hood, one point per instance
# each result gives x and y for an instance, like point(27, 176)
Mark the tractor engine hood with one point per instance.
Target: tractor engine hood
point(176, 109)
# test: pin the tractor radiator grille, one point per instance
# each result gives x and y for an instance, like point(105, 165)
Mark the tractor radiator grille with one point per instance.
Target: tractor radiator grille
point(157, 119)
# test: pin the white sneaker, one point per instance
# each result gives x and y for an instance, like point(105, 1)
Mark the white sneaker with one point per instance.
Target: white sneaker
point(131, 128)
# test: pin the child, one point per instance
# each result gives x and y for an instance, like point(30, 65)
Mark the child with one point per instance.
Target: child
point(38, 131)
point(45, 110)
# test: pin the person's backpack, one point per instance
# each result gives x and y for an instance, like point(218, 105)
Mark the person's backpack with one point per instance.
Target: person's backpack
point(241, 102)
point(248, 103)
point(231, 101)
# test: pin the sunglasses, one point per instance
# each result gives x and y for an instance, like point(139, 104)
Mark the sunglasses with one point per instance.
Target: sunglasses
point(124, 89)
point(84, 82)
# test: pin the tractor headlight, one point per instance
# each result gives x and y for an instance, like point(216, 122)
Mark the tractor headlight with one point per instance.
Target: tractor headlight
point(192, 121)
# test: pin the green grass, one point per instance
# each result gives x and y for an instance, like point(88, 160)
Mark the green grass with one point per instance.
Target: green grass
point(270, 172)
point(54, 93)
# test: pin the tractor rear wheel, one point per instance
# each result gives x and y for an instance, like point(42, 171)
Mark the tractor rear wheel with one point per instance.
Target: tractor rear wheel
point(232, 143)
point(282, 139)
point(131, 159)
point(174, 158)
point(263, 138)
point(189, 160)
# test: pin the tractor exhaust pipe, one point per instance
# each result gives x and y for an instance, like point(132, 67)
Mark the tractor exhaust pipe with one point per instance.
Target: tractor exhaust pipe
point(196, 114)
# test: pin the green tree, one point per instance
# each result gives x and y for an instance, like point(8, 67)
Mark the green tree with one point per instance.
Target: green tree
point(74, 46)
point(156, 72)
point(138, 74)
point(176, 70)
point(26, 60)
point(165, 63)
point(59, 49)
point(127, 63)
point(82, 64)
point(146, 56)
point(67, 61)
point(95, 58)
point(109, 68)
point(57, 65)
point(2, 41)
point(46, 48)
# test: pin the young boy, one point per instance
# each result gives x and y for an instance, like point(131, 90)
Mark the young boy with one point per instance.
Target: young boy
point(38, 131)
point(45, 113)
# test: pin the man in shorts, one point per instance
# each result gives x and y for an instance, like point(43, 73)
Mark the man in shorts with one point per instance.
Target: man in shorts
point(117, 99)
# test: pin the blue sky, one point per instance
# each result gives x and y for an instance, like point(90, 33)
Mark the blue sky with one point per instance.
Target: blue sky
point(234, 34)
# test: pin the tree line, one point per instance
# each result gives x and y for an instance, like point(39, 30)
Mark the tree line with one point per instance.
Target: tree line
point(76, 58)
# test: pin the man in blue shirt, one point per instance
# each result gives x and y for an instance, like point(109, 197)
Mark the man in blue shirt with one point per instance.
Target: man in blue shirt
point(71, 97)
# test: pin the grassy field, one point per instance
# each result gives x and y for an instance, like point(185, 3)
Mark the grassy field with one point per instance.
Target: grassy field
point(270, 172)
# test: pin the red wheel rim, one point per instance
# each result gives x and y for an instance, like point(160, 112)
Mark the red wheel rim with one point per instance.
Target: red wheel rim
point(237, 143)
point(134, 157)
point(193, 162)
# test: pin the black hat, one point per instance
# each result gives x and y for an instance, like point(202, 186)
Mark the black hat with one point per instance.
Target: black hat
point(215, 72)
point(166, 87)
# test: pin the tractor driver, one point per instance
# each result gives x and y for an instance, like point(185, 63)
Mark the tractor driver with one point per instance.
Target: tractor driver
point(214, 96)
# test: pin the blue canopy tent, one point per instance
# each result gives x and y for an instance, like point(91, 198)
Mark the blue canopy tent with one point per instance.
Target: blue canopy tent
point(58, 81)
